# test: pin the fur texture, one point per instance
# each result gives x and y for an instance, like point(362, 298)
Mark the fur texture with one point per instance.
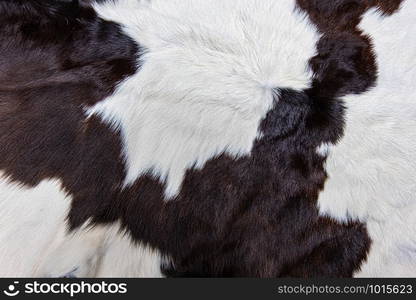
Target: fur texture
point(247, 78)
point(191, 137)
point(29, 221)
point(222, 77)
point(56, 58)
point(372, 170)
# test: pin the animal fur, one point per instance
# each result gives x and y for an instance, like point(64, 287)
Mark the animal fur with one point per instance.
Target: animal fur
point(253, 138)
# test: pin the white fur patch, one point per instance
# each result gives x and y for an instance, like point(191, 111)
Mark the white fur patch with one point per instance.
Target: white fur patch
point(76, 254)
point(324, 149)
point(34, 239)
point(100, 251)
point(124, 258)
point(30, 219)
point(206, 79)
point(372, 170)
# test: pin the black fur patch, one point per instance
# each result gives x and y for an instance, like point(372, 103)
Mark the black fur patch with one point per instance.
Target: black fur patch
point(56, 57)
point(45, 44)
point(253, 216)
point(343, 15)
